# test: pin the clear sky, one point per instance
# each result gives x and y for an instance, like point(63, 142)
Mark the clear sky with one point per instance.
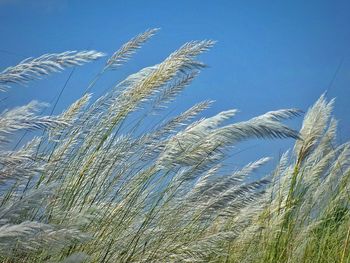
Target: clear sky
point(269, 55)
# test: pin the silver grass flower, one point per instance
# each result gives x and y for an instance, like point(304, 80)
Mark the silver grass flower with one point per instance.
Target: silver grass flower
point(36, 68)
point(25, 117)
point(33, 236)
point(128, 49)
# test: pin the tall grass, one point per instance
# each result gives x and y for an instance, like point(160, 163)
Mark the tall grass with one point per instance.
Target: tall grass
point(98, 186)
point(306, 213)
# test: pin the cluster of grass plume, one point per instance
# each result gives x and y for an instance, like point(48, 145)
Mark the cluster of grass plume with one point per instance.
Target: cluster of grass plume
point(97, 186)
point(306, 210)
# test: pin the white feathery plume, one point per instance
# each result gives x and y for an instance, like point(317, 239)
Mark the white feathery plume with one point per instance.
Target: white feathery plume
point(34, 236)
point(204, 141)
point(25, 117)
point(128, 49)
point(35, 68)
point(314, 124)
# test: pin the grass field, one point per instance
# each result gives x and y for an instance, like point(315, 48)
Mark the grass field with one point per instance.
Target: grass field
point(93, 185)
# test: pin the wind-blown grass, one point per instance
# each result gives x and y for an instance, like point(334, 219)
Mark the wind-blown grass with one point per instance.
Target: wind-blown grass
point(306, 212)
point(93, 188)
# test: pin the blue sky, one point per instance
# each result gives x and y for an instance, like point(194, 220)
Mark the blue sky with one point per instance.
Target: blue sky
point(269, 55)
